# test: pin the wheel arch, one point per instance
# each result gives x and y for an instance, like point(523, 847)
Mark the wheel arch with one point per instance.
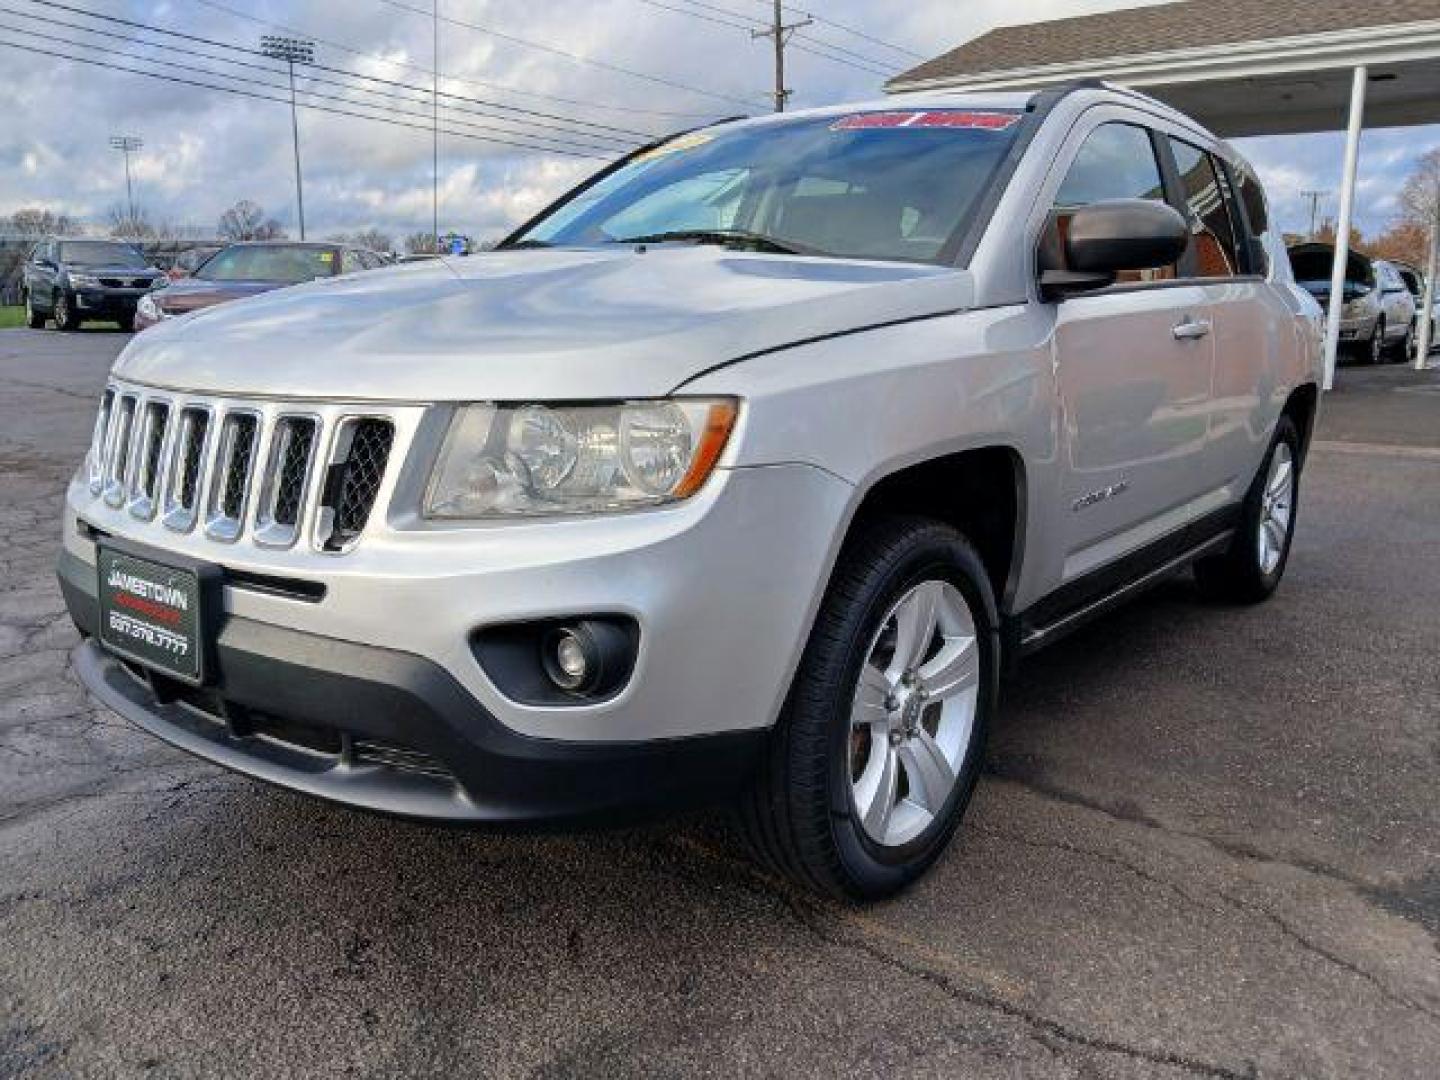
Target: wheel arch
point(1302, 407)
point(981, 491)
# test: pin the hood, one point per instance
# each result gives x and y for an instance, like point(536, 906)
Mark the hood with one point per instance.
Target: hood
point(192, 294)
point(531, 324)
point(114, 271)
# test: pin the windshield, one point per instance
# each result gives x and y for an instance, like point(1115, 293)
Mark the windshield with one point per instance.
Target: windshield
point(100, 253)
point(282, 263)
point(889, 185)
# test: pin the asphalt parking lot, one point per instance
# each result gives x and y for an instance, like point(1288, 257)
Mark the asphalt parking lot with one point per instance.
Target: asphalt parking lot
point(1207, 844)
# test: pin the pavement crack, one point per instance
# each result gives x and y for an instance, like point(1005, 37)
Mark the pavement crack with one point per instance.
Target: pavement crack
point(1325, 954)
point(808, 913)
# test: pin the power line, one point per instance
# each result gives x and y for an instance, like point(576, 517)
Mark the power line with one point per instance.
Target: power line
point(800, 43)
point(212, 43)
point(861, 34)
point(540, 142)
point(591, 139)
point(810, 37)
point(576, 57)
point(466, 80)
point(6, 43)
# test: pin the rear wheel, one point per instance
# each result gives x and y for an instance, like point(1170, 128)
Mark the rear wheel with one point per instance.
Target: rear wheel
point(1250, 570)
point(879, 746)
point(33, 319)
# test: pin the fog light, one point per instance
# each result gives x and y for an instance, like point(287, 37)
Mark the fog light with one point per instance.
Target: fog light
point(571, 658)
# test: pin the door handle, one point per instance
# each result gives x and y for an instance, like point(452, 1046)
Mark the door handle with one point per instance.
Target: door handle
point(1191, 329)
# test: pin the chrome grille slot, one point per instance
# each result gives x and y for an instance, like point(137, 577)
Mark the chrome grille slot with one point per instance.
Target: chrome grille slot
point(394, 756)
point(286, 476)
point(95, 460)
point(149, 444)
point(230, 484)
point(362, 452)
point(118, 445)
point(185, 471)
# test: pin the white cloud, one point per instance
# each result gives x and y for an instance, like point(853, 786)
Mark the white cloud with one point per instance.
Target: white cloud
point(204, 149)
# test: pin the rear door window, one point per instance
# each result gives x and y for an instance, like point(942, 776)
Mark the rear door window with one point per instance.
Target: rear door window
point(1252, 197)
point(1116, 161)
point(1213, 236)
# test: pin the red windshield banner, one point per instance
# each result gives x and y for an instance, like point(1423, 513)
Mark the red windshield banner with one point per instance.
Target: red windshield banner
point(927, 118)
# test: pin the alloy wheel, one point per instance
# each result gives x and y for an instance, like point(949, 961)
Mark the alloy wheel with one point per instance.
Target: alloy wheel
point(913, 715)
point(1276, 504)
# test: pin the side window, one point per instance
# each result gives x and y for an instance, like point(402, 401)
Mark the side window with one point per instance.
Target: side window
point(1116, 161)
point(1253, 199)
point(1212, 231)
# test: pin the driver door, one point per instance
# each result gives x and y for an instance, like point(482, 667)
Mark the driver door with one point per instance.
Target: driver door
point(1134, 365)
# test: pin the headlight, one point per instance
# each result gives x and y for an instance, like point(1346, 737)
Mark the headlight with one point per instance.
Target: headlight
point(150, 308)
point(85, 281)
point(501, 460)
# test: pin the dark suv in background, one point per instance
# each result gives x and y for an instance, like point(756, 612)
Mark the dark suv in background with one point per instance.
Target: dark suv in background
point(71, 281)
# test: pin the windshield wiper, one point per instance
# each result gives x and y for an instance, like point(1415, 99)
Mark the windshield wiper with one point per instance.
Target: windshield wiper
point(520, 244)
point(724, 237)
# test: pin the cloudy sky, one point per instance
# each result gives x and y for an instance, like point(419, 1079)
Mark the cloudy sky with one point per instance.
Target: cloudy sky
point(580, 79)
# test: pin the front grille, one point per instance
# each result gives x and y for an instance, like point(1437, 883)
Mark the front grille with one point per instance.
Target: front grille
point(242, 468)
point(356, 480)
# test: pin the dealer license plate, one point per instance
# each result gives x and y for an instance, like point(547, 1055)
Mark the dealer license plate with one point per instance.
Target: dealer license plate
point(151, 613)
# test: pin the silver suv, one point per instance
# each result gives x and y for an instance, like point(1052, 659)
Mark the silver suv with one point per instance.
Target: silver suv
point(738, 473)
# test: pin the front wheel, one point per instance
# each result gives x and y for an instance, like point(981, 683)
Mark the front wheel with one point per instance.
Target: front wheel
point(33, 319)
point(1375, 349)
point(880, 743)
point(62, 313)
point(1250, 570)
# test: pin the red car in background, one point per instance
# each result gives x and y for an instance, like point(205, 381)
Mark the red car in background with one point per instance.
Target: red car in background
point(248, 269)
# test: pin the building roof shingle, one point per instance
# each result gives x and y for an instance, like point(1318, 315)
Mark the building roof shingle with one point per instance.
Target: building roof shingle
point(1185, 24)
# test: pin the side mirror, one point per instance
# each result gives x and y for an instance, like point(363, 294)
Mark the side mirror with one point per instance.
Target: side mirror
point(1106, 238)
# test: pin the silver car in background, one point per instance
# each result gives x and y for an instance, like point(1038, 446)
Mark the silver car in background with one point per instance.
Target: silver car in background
point(739, 473)
point(1377, 322)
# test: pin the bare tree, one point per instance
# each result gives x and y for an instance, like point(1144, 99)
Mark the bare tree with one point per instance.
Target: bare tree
point(247, 221)
point(37, 222)
point(371, 239)
point(127, 226)
point(421, 243)
point(1420, 197)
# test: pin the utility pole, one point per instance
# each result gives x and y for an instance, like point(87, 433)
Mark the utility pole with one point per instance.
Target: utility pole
point(435, 128)
point(781, 32)
point(128, 144)
point(1314, 197)
point(292, 50)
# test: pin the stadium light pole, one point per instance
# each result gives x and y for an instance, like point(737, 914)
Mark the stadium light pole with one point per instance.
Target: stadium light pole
point(292, 51)
point(128, 144)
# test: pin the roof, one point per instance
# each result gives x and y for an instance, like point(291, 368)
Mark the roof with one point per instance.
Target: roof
point(1187, 24)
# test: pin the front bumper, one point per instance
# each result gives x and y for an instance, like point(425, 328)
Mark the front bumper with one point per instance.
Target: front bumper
point(722, 588)
point(108, 303)
point(393, 733)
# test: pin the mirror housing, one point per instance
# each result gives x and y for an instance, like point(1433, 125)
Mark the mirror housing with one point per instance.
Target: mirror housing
point(1106, 238)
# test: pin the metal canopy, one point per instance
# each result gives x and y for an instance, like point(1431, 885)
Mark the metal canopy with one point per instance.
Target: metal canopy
point(1380, 75)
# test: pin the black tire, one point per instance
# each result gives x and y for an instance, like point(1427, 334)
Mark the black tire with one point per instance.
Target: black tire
point(33, 319)
point(1238, 575)
point(1406, 345)
point(63, 313)
point(1375, 347)
point(800, 817)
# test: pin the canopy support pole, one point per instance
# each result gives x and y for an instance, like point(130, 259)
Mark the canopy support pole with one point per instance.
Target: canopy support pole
point(1427, 312)
point(1342, 229)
